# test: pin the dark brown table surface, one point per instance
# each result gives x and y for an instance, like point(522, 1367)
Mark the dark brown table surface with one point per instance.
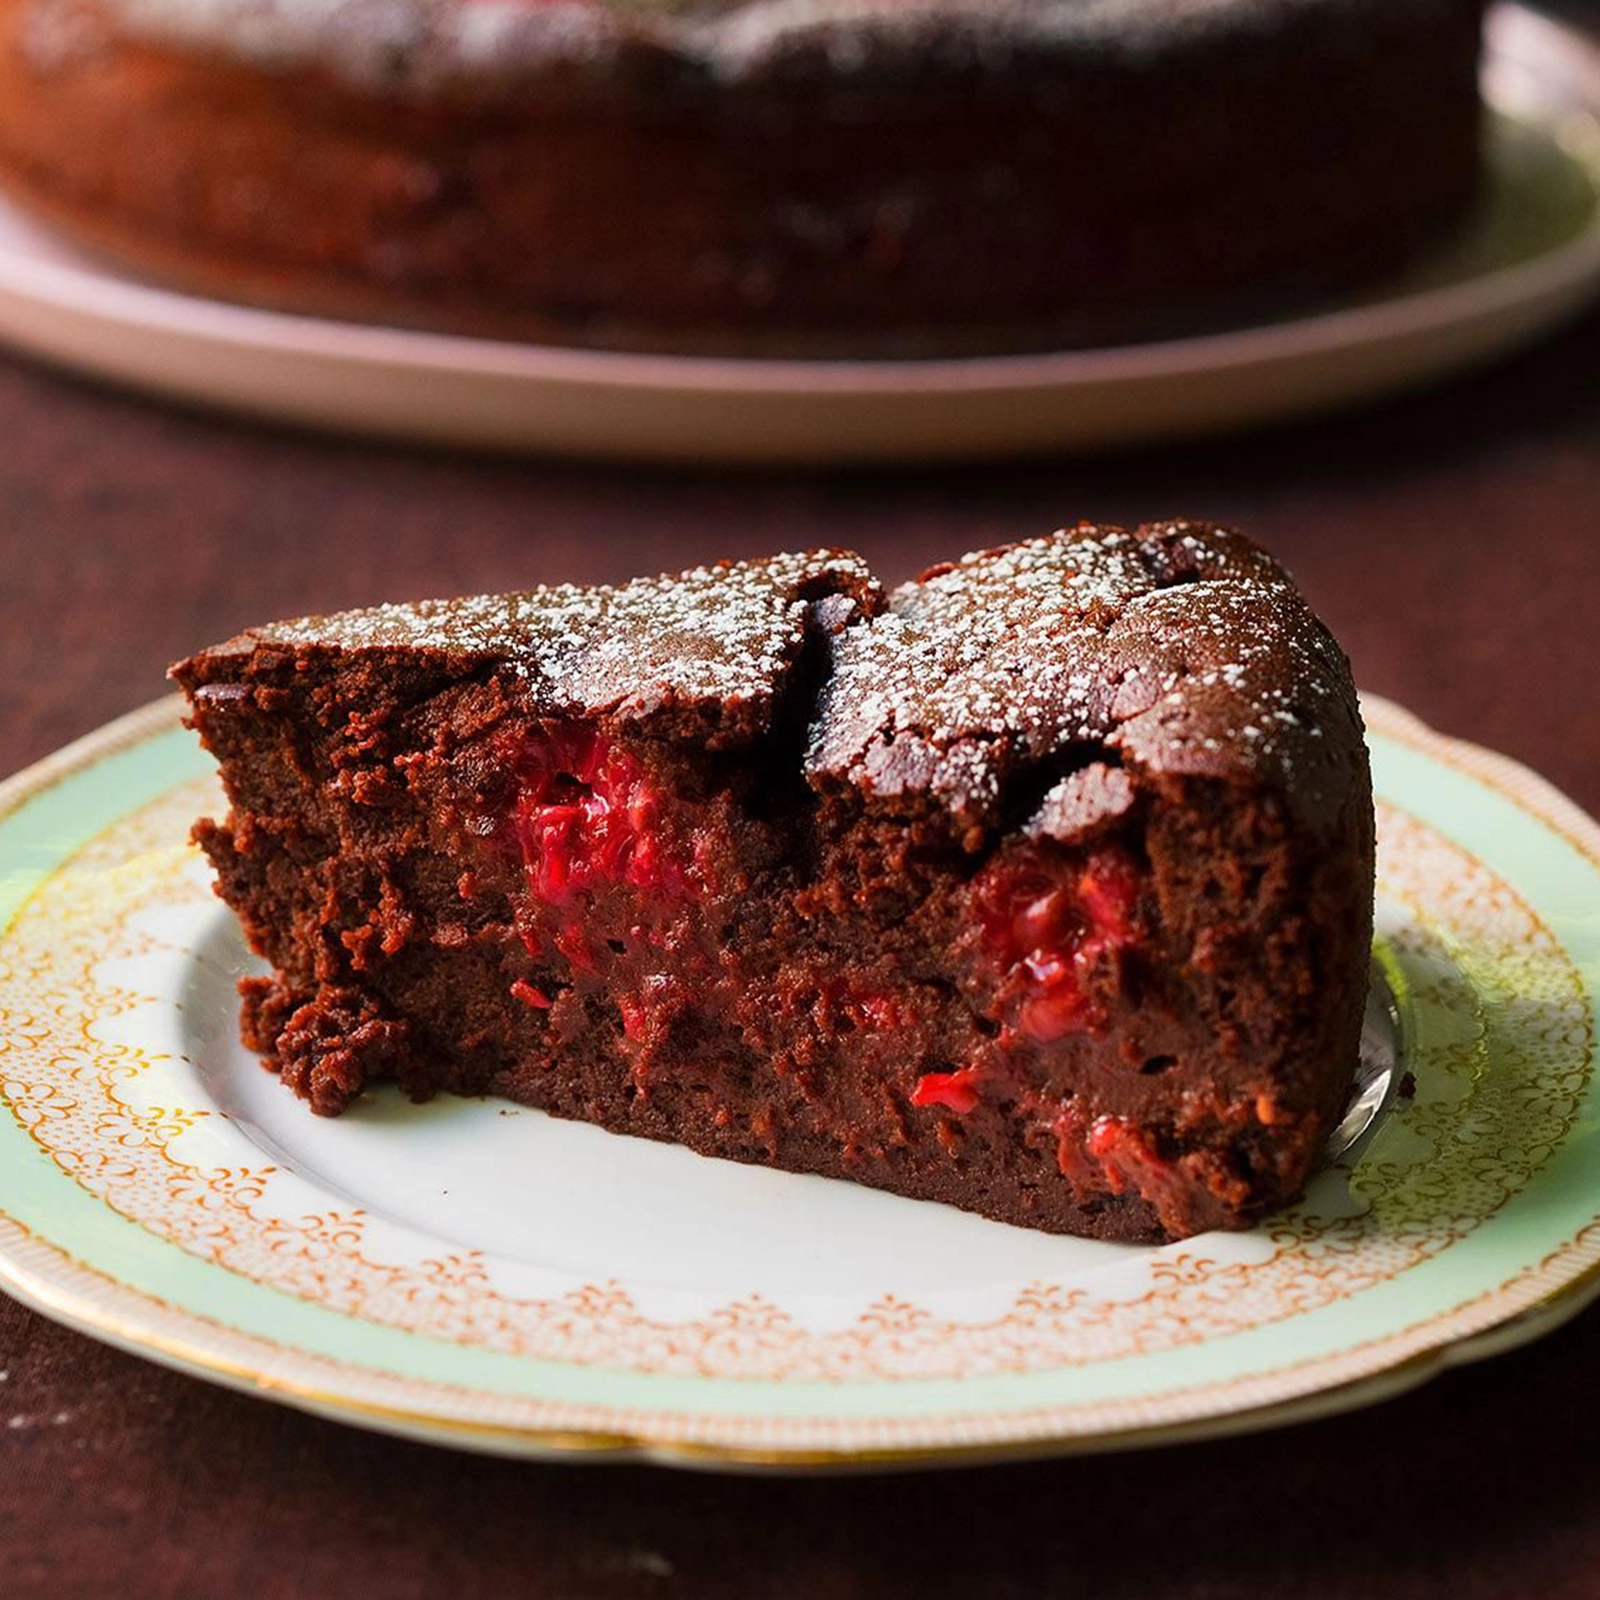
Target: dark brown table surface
point(1452, 541)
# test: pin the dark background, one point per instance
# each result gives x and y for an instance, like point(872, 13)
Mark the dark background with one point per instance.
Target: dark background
point(1453, 543)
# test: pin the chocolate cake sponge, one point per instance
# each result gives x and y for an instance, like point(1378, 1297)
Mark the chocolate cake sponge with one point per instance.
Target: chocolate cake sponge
point(1041, 886)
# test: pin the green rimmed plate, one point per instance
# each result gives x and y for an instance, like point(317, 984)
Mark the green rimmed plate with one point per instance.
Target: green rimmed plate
point(488, 1277)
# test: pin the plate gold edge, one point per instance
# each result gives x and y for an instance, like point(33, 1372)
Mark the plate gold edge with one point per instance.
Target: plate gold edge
point(1503, 774)
point(49, 1299)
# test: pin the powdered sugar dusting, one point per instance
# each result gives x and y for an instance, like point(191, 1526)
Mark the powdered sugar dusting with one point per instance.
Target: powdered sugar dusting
point(1180, 648)
point(415, 44)
point(724, 633)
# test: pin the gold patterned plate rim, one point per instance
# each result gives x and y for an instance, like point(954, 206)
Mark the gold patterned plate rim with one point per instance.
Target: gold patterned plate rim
point(1524, 860)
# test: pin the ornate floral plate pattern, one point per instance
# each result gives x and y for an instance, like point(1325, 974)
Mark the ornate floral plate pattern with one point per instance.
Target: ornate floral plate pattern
point(487, 1276)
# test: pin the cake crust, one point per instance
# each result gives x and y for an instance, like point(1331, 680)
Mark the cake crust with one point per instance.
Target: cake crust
point(1041, 885)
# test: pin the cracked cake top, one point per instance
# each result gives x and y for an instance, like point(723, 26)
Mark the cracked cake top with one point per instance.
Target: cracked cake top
point(1071, 668)
point(1179, 648)
point(726, 637)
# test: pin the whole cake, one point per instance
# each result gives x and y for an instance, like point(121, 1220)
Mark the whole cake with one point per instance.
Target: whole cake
point(1041, 885)
point(809, 176)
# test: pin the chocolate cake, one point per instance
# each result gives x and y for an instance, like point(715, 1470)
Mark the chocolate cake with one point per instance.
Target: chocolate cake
point(1041, 885)
point(804, 176)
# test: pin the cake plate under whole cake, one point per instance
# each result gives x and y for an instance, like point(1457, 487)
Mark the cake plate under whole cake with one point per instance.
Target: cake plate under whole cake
point(1528, 257)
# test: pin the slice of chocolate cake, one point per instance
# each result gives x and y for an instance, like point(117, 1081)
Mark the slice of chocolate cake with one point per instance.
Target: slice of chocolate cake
point(1041, 886)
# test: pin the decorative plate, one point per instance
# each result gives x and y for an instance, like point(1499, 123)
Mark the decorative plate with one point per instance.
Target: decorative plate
point(485, 1276)
point(1529, 257)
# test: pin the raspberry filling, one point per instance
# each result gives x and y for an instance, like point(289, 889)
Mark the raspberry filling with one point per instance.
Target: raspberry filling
point(606, 851)
point(1116, 1155)
point(1049, 922)
point(957, 1091)
point(586, 816)
point(613, 858)
point(1127, 1155)
point(1112, 1153)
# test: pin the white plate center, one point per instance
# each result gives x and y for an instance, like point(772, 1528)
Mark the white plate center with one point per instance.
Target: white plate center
point(573, 1201)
